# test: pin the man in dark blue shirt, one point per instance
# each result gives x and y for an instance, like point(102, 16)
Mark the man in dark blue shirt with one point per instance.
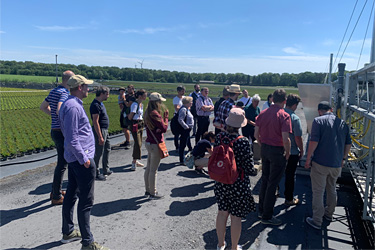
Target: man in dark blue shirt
point(330, 143)
point(100, 123)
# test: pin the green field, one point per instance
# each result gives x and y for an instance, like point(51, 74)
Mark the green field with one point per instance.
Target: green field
point(25, 128)
point(24, 78)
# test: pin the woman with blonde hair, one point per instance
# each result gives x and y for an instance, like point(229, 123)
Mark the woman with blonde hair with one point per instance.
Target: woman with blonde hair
point(156, 124)
point(186, 120)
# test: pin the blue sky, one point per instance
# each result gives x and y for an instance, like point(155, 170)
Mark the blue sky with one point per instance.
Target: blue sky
point(249, 37)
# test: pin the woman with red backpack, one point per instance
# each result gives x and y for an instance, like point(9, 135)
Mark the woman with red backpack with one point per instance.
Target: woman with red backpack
point(234, 199)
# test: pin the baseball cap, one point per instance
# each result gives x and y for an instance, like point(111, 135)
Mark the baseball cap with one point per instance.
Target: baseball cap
point(155, 96)
point(76, 80)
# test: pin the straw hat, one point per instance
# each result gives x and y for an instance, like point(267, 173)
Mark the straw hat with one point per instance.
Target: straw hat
point(236, 118)
point(234, 88)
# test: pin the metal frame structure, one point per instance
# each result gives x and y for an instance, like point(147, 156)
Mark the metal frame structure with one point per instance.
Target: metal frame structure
point(358, 108)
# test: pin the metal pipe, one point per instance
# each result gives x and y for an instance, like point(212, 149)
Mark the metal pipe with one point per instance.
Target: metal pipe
point(330, 69)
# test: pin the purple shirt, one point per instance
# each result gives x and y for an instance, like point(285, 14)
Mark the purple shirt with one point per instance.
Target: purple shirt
point(201, 101)
point(79, 143)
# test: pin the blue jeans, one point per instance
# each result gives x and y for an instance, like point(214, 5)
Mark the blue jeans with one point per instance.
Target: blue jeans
point(81, 185)
point(102, 150)
point(184, 140)
point(273, 167)
point(58, 176)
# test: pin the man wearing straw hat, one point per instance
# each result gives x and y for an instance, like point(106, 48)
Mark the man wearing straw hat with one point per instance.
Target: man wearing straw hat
point(225, 107)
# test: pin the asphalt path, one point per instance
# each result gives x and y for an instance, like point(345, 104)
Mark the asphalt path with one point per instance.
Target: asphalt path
point(122, 218)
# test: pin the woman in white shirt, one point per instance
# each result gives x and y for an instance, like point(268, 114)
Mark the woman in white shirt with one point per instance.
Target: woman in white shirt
point(268, 103)
point(136, 116)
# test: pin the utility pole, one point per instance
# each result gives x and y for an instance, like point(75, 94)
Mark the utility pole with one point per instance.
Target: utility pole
point(330, 69)
point(57, 78)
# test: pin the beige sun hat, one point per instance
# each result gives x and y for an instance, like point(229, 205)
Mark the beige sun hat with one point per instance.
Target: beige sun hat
point(234, 88)
point(76, 80)
point(155, 96)
point(236, 118)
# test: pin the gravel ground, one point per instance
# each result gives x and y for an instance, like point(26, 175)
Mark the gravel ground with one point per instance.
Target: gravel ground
point(123, 219)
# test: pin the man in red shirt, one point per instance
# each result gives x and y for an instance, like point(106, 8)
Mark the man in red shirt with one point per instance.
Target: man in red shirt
point(272, 128)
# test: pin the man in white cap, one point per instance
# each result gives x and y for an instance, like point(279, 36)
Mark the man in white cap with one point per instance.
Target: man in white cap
point(79, 153)
point(225, 107)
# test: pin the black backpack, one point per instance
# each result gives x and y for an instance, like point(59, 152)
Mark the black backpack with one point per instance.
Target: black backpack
point(176, 127)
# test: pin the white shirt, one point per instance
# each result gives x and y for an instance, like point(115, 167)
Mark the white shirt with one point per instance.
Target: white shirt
point(246, 101)
point(266, 106)
point(177, 101)
point(133, 109)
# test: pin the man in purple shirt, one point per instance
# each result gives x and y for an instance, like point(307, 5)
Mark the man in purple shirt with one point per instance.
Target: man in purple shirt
point(79, 152)
point(51, 106)
point(204, 107)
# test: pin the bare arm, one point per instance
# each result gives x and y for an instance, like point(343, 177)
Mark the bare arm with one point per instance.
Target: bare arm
point(310, 151)
point(45, 107)
point(299, 143)
point(286, 143)
point(95, 122)
point(58, 107)
point(346, 152)
point(256, 134)
point(176, 107)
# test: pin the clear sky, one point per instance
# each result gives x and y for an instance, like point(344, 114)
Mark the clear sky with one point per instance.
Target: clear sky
point(249, 36)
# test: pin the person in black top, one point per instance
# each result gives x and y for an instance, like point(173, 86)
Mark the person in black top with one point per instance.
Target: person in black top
point(217, 104)
point(199, 151)
point(195, 94)
point(100, 123)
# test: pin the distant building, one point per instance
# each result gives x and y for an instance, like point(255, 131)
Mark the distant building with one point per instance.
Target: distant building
point(204, 81)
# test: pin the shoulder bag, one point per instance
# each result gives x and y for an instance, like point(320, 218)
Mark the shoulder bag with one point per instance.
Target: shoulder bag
point(162, 147)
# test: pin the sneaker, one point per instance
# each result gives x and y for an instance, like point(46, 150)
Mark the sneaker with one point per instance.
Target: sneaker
point(94, 246)
point(127, 145)
point(108, 173)
point(260, 215)
point(273, 221)
point(327, 218)
point(73, 236)
point(133, 166)
point(156, 196)
point(139, 164)
point(222, 247)
point(311, 222)
point(147, 194)
point(239, 247)
point(100, 177)
point(292, 202)
point(122, 144)
point(199, 171)
point(57, 202)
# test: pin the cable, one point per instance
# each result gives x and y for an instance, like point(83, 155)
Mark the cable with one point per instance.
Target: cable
point(347, 27)
point(364, 39)
point(355, 26)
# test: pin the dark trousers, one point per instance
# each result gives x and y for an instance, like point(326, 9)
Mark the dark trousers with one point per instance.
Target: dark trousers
point(176, 138)
point(290, 172)
point(273, 167)
point(61, 166)
point(184, 140)
point(203, 124)
point(81, 185)
point(102, 150)
point(248, 131)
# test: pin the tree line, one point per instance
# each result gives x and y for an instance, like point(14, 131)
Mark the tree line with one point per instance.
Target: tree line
point(151, 75)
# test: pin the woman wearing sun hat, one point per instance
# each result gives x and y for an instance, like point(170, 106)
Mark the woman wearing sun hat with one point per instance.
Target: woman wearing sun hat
point(235, 199)
point(156, 121)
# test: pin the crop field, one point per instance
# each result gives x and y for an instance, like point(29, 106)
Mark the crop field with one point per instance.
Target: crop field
point(25, 78)
point(24, 128)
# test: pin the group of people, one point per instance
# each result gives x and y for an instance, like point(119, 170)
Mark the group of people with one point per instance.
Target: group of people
point(278, 130)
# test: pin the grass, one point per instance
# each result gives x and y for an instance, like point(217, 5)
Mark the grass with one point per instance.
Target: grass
point(24, 78)
point(24, 127)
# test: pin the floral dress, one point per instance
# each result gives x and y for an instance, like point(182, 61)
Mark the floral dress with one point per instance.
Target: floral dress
point(237, 198)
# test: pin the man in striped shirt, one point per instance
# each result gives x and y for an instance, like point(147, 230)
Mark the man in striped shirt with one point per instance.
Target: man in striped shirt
point(204, 107)
point(51, 106)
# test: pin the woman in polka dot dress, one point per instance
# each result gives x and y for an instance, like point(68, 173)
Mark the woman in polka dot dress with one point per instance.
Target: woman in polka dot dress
point(235, 199)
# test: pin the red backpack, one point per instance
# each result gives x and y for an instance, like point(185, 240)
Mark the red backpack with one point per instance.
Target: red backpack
point(222, 165)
